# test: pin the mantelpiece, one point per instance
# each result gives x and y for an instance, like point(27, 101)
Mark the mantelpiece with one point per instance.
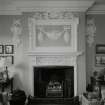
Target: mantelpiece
point(53, 41)
point(53, 60)
point(57, 22)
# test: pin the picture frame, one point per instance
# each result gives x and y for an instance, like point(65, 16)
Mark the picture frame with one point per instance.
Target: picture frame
point(9, 49)
point(1, 49)
point(100, 49)
point(1, 56)
point(100, 60)
point(9, 60)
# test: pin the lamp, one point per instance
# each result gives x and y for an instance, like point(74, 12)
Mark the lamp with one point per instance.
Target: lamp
point(2, 64)
point(3, 68)
point(6, 70)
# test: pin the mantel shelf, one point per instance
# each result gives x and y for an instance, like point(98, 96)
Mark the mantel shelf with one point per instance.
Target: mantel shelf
point(75, 54)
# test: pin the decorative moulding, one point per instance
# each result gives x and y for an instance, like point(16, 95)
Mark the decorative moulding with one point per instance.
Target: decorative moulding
point(97, 9)
point(16, 30)
point(17, 7)
point(10, 12)
point(90, 31)
point(73, 54)
point(59, 27)
point(49, 60)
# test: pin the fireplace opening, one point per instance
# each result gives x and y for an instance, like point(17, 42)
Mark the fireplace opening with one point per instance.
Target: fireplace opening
point(54, 81)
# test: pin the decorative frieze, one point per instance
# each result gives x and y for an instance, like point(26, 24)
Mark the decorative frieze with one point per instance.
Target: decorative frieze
point(53, 33)
point(55, 60)
point(45, 15)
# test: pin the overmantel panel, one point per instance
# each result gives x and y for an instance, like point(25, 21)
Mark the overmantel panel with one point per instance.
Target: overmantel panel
point(53, 31)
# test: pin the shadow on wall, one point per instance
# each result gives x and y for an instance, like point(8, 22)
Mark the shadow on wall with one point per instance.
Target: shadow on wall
point(20, 78)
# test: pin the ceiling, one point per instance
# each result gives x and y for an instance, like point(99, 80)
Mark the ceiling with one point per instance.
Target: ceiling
point(100, 1)
point(9, 1)
point(97, 3)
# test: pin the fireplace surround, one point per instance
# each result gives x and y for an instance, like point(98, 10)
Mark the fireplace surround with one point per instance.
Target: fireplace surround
point(53, 42)
point(53, 66)
point(53, 60)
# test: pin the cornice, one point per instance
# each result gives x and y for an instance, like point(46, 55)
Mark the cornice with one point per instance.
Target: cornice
point(97, 9)
point(17, 7)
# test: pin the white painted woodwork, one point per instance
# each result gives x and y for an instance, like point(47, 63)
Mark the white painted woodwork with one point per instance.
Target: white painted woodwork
point(17, 7)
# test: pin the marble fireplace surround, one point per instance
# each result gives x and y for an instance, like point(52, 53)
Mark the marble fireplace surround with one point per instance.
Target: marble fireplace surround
point(55, 60)
point(59, 55)
point(65, 55)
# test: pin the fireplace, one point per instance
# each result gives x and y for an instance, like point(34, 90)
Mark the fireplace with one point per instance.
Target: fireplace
point(53, 43)
point(54, 85)
point(54, 81)
point(53, 58)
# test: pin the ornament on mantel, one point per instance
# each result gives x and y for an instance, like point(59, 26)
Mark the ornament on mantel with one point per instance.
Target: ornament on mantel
point(52, 35)
point(66, 34)
point(90, 31)
point(16, 29)
point(40, 37)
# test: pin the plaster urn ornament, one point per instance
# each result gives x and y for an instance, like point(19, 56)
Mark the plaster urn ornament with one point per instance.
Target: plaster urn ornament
point(53, 15)
point(40, 36)
point(66, 34)
point(52, 35)
point(90, 31)
point(16, 29)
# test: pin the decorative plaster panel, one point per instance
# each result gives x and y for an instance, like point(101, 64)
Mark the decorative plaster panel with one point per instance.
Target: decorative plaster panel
point(55, 30)
point(90, 31)
point(40, 15)
point(16, 29)
point(55, 60)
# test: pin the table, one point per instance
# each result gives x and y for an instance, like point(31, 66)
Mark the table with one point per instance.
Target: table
point(86, 101)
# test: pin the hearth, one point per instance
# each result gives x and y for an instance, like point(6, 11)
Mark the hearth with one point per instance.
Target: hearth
point(54, 81)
